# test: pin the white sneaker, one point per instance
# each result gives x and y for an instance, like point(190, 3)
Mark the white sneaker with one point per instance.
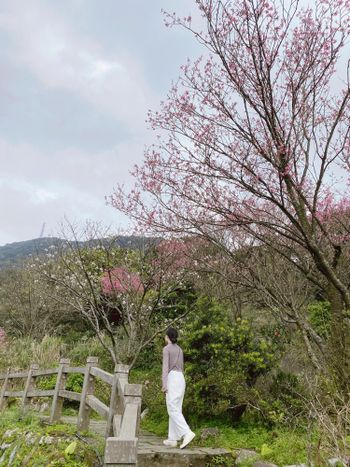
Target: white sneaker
point(187, 439)
point(169, 442)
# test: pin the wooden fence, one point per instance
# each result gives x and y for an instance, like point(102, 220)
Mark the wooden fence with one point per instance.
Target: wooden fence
point(122, 414)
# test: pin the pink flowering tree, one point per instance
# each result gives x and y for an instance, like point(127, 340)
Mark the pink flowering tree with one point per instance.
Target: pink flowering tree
point(254, 140)
point(121, 281)
point(142, 293)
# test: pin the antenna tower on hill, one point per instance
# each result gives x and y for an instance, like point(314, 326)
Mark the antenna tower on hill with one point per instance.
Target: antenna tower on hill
point(42, 230)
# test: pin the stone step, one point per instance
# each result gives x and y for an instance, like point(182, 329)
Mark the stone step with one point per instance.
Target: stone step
point(153, 453)
point(195, 457)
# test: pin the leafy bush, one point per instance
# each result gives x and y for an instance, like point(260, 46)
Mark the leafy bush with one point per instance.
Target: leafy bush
point(86, 346)
point(279, 399)
point(19, 353)
point(75, 382)
point(224, 360)
point(152, 396)
point(46, 382)
point(320, 317)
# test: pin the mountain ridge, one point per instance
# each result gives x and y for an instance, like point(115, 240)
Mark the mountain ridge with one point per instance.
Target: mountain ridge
point(13, 253)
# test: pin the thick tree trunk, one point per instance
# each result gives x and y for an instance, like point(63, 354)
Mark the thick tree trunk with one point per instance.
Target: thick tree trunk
point(339, 341)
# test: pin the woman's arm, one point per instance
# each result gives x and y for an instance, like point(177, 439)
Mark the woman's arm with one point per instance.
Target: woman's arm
point(165, 369)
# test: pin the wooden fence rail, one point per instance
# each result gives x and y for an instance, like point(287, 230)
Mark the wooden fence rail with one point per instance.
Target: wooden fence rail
point(122, 413)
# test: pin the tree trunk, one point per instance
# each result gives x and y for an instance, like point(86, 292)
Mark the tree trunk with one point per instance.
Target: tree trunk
point(236, 413)
point(339, 341)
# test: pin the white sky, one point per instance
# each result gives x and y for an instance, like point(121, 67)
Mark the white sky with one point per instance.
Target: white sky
point(77, 78)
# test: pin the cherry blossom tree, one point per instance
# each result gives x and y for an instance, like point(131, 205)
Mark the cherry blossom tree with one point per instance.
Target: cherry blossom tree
point(254, 139)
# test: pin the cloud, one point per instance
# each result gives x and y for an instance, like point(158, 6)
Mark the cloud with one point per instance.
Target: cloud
point(33, 194)
point(78, 77)
point(37, 187)
point(46, 43)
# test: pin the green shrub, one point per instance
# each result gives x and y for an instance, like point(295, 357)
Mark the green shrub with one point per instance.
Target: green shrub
point(46, 382)
point(75, 382)
point(281, 446)
point(152, 396)
point(19, 353)
point(279, 399)
point(224, 359)
point(320, 317)
point(87, 346)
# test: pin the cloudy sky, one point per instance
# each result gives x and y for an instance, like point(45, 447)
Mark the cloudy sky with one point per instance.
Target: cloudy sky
point(76, 80)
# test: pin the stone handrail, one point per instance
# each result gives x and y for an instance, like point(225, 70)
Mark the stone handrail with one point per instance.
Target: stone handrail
point(122, 413)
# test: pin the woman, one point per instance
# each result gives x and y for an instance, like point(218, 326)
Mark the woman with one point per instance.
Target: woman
point(174, 387)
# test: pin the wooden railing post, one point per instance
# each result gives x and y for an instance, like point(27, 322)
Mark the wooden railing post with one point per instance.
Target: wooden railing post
point(121, 373)
point(121, 448)
point(133, 395)
point(57, 401)
point(88, 389)
point(3, 398)
point(30, 384)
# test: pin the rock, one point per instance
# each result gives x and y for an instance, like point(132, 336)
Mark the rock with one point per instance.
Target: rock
point(30, 438)
point(46, 440)
point(208, 432)
point(45, 406)
point(34, 406)
point(245, 454)
point(12, 456)
point(264, 464)
point(335, 461)
point(4, 446)
point(298, 465)
point(9, 433)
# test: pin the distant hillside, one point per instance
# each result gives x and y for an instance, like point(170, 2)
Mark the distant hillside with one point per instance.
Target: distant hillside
point(13, 253)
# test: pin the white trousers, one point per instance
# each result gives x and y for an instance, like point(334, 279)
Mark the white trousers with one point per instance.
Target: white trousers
point(178, 426)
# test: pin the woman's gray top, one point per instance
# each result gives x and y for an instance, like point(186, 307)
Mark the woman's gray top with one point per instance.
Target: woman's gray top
point(173, 359)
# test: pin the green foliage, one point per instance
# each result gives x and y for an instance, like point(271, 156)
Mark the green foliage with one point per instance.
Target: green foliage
point(152, 396)
point(287, 447)
point(279, 401)
point(178, 301)
point(70, 449)
point(266, 450)
point(221, 461)
point(75, 382)
point(37, 444)
point(19, 353)
point(79, 349)
point(46, 382)
point(281, 446)
point(320, 317)
point(216, 345)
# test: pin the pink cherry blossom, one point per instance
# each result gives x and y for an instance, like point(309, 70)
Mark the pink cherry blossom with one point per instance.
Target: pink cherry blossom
point(119, 281)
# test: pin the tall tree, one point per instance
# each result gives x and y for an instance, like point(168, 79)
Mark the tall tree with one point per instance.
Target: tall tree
point(125, 296)
point(254, 137)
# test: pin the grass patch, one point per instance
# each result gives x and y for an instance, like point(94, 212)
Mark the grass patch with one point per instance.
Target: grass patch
point(28, 441)
point(280, 446)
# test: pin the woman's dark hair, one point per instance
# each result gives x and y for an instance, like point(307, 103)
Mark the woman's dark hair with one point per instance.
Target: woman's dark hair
point(172, 334)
